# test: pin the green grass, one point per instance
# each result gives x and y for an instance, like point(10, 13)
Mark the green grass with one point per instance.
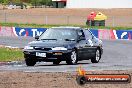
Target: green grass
point(48, 26)
point(7, 54)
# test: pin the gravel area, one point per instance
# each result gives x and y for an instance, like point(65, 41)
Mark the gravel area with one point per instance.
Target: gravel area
point(11, 79)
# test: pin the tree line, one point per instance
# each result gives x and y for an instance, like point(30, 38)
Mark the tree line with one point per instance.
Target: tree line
point(32, 2)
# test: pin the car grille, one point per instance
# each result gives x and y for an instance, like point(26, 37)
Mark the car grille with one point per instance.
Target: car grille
point(42, 48)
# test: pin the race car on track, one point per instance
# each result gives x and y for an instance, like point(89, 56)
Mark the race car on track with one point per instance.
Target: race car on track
point(70, 44)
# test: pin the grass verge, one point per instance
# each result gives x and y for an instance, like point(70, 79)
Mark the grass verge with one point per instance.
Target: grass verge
point(7, 54)
point(48, 26)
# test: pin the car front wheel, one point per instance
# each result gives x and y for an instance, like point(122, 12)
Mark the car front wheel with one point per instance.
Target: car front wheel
point(97, 57)
point(72, 58)
point(30, 62)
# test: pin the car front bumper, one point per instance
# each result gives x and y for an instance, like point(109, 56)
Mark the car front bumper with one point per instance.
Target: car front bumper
point(49, 55)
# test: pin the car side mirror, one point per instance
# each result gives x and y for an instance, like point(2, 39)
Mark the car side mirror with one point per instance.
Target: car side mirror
point(36, 37)
point(81, 38)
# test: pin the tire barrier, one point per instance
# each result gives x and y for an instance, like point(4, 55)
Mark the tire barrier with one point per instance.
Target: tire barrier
point(32, 32)
point(99, 33)
point(6, 31)
point(115, 34)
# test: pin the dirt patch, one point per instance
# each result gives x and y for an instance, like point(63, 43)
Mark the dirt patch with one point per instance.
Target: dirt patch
point(69, 12)
point(53, 80)
point(116, 17)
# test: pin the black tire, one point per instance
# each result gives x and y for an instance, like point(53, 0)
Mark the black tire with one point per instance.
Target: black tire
point(81, 80)
point(30, 62)
point(72, 58)
point(97, 56)
point(56, 62)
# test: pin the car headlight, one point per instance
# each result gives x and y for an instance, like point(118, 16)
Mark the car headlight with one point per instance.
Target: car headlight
point(28, 47)
point(59, 48)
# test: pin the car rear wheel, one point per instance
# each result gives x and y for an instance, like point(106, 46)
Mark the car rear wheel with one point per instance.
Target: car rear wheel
point(30, 62)
point(72, 58)
point(97, 57)
point(56, 62)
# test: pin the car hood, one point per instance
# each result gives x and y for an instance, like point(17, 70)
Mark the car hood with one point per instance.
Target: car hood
point(52, 44)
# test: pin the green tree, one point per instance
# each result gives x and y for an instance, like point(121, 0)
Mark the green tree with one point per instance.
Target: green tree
point(48, 2)
point(16, 1)
point(27, 1)
point(40, 2)
point(33, 2)
point(4, 1)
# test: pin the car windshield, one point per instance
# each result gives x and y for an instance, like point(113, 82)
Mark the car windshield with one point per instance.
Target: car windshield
point(59, 34)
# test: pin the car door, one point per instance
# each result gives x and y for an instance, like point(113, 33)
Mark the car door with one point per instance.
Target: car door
point(91, 44)
point(82, 45)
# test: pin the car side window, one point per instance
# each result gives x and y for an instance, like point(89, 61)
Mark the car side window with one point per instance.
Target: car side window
point(88, 35)
point(81, 33)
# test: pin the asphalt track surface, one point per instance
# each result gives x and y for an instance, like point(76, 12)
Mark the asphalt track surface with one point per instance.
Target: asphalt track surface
point(117, 56)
